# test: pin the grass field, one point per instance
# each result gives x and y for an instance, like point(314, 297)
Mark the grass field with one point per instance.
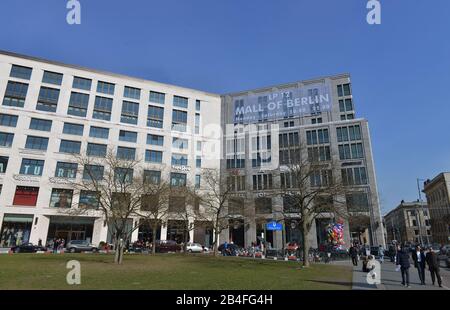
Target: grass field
point(48, 271)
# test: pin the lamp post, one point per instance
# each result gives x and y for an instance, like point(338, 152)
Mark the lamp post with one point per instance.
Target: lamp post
point(423, 211)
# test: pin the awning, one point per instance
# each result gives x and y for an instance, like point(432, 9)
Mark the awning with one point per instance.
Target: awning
point(18, 218)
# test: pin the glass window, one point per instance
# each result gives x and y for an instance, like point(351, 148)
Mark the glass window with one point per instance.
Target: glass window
point(179, 120)
point(78, 104)
point(105, 88)
point(181, 102)
point(197, 105)
point(48, 99)
point(99, 132)
point(93, 172)
point(3, 164)
point(26, 196)
point(15, 94)
point(8, 120)
point(71, 147)
point(130, 112)
point(128, 136)
point(153, 156)
point(102, 108)
point(6, 139)
point(197, 181)
point(179, 143)
point(177, 179)
point(66, 170)
point(36, 143)
point(61, 198)
point(199, 146)
point(94, 149)
point(155, 117)
point(347, 91)
point(152, 176)
point(131, 92)
point(41, 124)
point(157, 97)
point(179, 159)
point(21, 72)
point(198, 162)
point(32, 167)
point(155, 140)
point(52, 78)
point(73, 129)
point(126, 153)
point(81, 83)
point(123, 175)
point(89, 200)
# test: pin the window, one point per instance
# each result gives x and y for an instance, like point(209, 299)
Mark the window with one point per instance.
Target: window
point(130, 112)
point(71, 147)
point(179, 143)
point(319, 136)
point(8, 120)
point(61, 198)
point(263, 205)
point(198, 162)
point(94, 149)
point(128, 136)
point(81, 83)
point(179, 120)
point(197, 105)
point(349, 133)
point(3, 163)
point(32, 167)
point(26, 196)
point(179, 159)
point(320, 178)
point(197, 123)
point(152, 176)
point(199, 146)
point(123, 175)
point(105, 88)
point(36, 143)
point(316, 120)
point(155, 140)
point(6, 139)
point(89, 200)
point(21, 72)
point(131, 92)
point(351, 151)
point(357, 202)
point(153, 156)
point(177, 204)
point(155, 117)
point(236, 182)
point(15, 94)
point(48, 99)
point(319, 153)
point(78, 104)
point(288, 180)
point(99, 132)
point(52, 78)
point(93, 172)
point(262, 181)
point(290, 139)
point(354, 176)
point(73, 129)
point(180, 102)
point(41, 124)
point(197, 181)
point(66, 170)
point(157, 97)
point(177, 179)
point(343, 90)
point(345, 105)
point(126, 153)
point(102, 108)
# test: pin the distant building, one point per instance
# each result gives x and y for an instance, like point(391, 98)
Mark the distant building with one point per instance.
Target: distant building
point(437, 192)
point(409, 222)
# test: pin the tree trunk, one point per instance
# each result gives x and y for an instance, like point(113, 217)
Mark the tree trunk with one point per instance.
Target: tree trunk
point(118, 256)
point(216, 243)
point(155, 229)
point(305, 233)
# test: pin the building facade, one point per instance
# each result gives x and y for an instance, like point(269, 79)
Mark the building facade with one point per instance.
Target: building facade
point(409, 222)
point(437, 191)
point(266, 128)
point(50, 111)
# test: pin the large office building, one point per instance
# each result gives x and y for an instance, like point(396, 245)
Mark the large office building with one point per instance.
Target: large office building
point(50, 111)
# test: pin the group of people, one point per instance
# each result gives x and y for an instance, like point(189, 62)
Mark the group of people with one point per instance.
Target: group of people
point(356, 251)
point(420, 259)
point(57, 244)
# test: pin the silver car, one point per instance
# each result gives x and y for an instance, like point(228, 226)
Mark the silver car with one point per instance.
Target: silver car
point(78, 246)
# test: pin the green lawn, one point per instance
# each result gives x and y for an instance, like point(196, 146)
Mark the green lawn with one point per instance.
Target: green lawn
point(48, 271)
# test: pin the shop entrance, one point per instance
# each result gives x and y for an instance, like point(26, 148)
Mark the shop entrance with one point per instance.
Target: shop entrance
point(16, 229)
point(268, 234)
point(70, 228)
point(203, 233)
point(146, 232)
point(292, 229)
point(236, 232)
point(176, 230)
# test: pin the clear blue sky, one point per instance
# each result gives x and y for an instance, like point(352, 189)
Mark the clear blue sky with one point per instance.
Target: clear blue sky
point(400, 69)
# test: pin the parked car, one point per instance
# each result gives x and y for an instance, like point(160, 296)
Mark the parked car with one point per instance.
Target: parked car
point(27, 248)
point(194, 247)
point(78, 246)
point(165, 246)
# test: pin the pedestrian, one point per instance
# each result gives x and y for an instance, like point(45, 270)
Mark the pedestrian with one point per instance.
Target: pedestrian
point(433, 265)
point(419, 262)
point(225, 249)
point(402, 260)
point(354, 255)
point(381, 253)
point(55, 245)
point(40, 242)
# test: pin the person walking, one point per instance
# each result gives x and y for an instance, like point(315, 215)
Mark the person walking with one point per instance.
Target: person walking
point(354, 255)
point(381, 253)
point(419, 262)
point(433, 265)
point(402, 260)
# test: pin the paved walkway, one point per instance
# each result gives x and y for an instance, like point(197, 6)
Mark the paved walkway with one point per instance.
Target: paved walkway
point(391, 279)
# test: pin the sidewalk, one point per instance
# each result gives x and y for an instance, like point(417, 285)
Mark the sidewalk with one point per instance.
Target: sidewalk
point(391, 279)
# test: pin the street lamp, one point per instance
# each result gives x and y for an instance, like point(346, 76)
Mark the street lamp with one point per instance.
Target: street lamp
point(423, 212)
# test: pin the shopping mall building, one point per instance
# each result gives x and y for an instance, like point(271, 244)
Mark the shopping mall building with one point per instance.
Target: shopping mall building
point(51, 111)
